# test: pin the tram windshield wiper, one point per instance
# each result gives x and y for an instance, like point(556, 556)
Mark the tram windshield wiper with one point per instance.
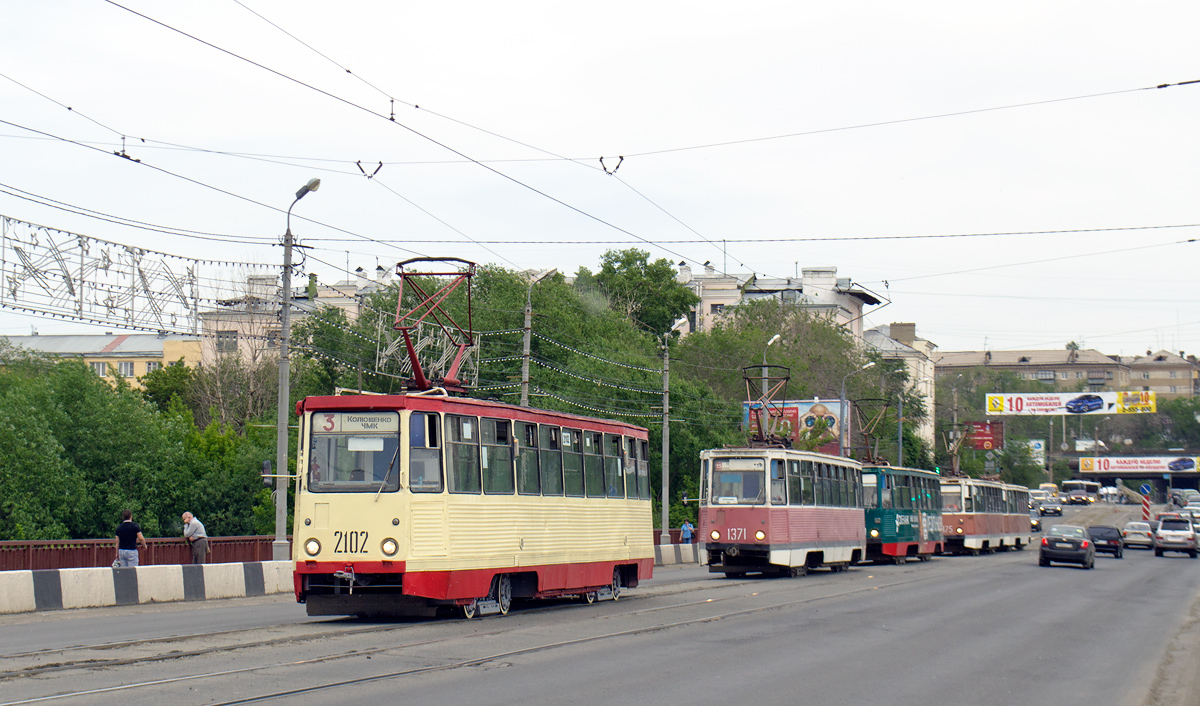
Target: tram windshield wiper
point(387, 475)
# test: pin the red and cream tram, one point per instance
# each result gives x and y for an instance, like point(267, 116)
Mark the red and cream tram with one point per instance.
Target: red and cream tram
point(984, 516)
point(781, 511)
point(407, 503)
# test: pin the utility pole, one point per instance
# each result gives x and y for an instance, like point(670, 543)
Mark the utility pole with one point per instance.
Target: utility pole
point(954, 427)
point(900, 428)
point(665, 538)
point(528, 338)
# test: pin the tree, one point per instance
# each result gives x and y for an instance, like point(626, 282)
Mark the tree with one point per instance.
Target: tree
point(167, 383)
point(646, 292)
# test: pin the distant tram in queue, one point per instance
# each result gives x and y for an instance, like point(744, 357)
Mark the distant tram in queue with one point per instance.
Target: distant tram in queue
point(984, 516)
point(780, 511)
point(903, 512)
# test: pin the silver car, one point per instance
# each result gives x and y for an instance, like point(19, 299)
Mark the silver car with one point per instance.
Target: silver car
point(1138, 534)
point(1175, 534)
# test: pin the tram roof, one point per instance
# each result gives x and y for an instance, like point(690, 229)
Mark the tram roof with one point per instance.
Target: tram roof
point(461, 405)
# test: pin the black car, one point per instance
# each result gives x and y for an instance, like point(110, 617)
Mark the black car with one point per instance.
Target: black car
point(1067, 544)
point(1035, 521)
point(1107, 540)
point(1051, 507)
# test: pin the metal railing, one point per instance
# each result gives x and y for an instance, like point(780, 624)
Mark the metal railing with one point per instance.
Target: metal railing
point(83, 553)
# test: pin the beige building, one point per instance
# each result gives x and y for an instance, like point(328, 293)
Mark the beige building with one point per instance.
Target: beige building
point(118, 355)
point(1063, 370)
point(818, 288)
point(899, 341)
point(1165, 373)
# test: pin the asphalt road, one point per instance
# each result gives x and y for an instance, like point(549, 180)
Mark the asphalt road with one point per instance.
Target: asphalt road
point(958, 630)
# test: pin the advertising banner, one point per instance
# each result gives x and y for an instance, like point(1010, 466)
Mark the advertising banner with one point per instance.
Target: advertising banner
point(985, 436)
point(1033, 403)
point(801, 417)
point(1138, 464)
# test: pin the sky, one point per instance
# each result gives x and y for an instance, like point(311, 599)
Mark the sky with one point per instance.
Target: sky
point(1004, 176)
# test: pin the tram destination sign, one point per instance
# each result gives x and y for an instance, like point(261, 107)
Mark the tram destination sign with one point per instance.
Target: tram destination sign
point(1071, 403)
point(1138, 464)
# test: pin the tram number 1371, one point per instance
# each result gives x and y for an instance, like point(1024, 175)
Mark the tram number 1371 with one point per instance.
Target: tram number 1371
point(350, 543)
point(736, 534)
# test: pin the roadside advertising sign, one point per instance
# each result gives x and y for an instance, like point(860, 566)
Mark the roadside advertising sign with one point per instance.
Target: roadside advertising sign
point(1033, 403)
point(1139, 464)
point(799, 417)
point(985, 436)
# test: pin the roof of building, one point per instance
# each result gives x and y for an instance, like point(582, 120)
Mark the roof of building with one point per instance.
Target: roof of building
point(879, 340)
point(111, 344)
point(967, 359)
point(1159, 359)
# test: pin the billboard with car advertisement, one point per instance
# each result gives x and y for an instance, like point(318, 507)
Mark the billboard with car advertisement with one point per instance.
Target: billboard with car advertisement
point(1138, 464)
point(1070, 403)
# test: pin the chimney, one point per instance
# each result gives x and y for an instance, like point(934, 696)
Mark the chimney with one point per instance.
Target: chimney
point(685, 273)
point(709, 270)
point(904, 333)
point(382, 276)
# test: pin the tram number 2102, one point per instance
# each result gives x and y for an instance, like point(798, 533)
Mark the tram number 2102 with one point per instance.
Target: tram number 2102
point(350, 543)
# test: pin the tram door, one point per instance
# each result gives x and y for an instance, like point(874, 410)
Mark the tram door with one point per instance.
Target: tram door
point(428, 524)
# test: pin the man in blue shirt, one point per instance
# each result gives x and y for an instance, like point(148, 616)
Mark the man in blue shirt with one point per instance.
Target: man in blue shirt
point(685, 532)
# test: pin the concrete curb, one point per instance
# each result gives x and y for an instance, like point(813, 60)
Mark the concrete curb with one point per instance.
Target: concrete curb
point(57, 589)
point(667, 554)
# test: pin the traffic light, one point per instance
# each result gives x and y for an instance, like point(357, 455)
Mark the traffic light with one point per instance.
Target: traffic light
point(937, 470)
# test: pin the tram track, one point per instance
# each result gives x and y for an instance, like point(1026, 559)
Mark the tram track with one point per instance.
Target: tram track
point(768, 590)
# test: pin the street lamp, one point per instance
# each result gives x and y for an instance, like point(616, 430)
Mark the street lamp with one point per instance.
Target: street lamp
point(842, 410)
point(774, 338)
point(280, 549)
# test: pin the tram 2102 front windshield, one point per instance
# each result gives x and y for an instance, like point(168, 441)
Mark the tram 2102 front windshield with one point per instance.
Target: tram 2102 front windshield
point(738, 481)
point(354, 452)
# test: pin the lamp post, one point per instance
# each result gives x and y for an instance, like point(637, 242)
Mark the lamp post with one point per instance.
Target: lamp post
point(774, 338)
point(842, 410)
point(280, 549)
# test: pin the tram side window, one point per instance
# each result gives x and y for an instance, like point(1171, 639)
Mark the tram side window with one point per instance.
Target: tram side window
point(795, 483)
point(593, 465)
point(462, 442)
point(614, 486)
point(497, 456)
point(424, 453)
point(903, 493)
point(552, 461)
point(528, 482)
point(704, 482)
point(629, 463)
point(885, 493)
point(778, 482)
point(809, 482)
point(643, 469)
point(857, 485)
point(572, 440)
point(824, 485)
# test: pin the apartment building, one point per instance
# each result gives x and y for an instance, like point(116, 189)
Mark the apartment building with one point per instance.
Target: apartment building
point(899, 341)
point(1165, 373)
point(118, 355)
point(1065, 370)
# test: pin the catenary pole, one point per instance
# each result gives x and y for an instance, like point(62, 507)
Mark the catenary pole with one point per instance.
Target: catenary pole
point(665, 538)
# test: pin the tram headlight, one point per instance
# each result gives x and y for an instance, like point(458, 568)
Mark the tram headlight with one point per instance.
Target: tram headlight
point(874, 533)
point(312, 546)
point(715, 534)
point(389, 547)
point(958, 530)
point(760, 535)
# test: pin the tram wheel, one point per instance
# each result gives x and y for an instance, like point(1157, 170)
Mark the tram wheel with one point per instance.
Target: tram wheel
point(924, 557)
point(899, 560)
point(797, 571)
point(470, 610)
point(504, 593)
point(589, 597)
point(616, 583)
point(735, 574)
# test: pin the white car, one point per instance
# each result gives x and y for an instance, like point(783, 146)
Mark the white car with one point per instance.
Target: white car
point(1138, 534)
point(1175, 534)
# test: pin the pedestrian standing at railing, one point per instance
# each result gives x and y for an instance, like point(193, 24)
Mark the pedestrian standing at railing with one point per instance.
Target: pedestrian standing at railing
point(129, 540)
point(193, 532)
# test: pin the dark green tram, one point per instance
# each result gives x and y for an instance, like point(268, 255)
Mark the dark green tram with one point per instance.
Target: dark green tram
point(903, 513)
